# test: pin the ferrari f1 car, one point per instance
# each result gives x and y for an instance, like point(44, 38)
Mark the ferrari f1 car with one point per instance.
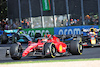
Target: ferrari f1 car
point(48, 46)
point(92, 38)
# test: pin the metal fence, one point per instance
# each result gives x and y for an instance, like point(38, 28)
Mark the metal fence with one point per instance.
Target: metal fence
point(62, 13)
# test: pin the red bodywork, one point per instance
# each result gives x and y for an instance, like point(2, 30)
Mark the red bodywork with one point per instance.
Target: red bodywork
point(60, 46)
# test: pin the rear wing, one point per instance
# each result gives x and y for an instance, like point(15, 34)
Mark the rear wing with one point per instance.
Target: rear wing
point(11, 31)
point(97, 30)
point(88, 30)
point(64, 36)
point(68, 37)
point(85, 30)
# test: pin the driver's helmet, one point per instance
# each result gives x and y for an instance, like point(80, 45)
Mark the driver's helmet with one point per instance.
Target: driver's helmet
point(20, 32)
point(20, 28)
point(48, 35)
point(92, 29)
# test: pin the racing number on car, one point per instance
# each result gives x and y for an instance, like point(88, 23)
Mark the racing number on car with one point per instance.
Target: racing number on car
point(60, 48)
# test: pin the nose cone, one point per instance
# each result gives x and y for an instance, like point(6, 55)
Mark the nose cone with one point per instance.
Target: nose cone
point(27, 50)
point(24, 54)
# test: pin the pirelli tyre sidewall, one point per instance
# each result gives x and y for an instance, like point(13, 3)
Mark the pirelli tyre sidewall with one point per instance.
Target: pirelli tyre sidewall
point(4, 39)
point(49, 50)
point(76, 47)
point(16, 51)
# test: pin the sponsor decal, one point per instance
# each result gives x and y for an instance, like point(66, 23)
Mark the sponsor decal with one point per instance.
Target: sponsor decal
point(43, 31)
point(36, 31)
point(69, 31)
point(72, 30)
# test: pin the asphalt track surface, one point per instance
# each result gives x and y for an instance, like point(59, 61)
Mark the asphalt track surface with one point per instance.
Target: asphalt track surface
point(87, 54)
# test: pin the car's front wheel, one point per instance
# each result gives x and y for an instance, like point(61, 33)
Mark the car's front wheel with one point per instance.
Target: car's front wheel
point(4, 39)
point(16, 51)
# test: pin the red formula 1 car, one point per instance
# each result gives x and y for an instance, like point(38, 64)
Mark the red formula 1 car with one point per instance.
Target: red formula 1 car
point(49, 45)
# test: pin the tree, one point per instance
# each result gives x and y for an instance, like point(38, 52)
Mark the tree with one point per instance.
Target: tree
point(3, 9)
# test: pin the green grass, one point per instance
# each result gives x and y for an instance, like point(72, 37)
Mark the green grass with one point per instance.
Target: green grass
point(67, 60)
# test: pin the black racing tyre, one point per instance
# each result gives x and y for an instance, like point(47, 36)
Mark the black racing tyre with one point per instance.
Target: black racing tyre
point(76, 47)
point(4, 39)
point(51, 48)
point(37, 35)
point(16, 51)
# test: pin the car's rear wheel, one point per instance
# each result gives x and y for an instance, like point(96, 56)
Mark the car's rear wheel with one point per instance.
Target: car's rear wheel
point(16, 51)
point(4, 39)
point(76, 47)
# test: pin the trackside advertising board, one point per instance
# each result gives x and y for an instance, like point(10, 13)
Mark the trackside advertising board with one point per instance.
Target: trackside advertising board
point(72, 29)
point(99, 32)
point(39, 30)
